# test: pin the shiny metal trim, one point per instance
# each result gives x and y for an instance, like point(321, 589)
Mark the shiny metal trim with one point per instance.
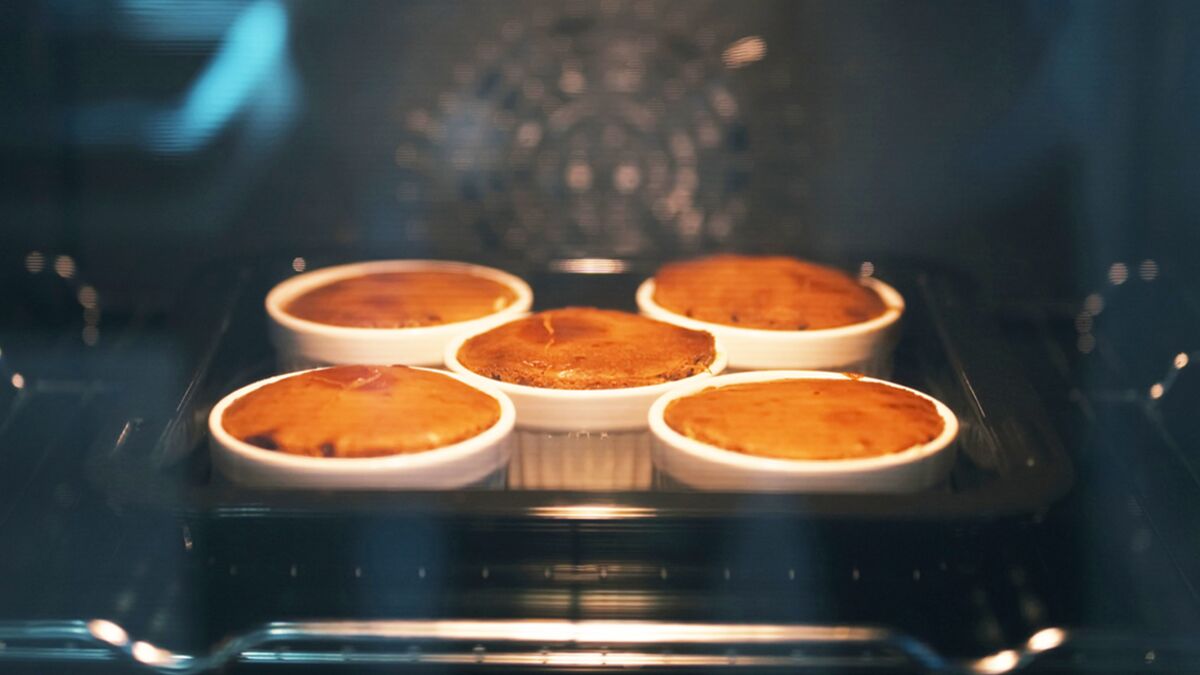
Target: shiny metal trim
point(552, 643)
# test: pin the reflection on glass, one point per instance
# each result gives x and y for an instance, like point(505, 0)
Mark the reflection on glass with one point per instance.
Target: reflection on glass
point(593, 512)
point(744, 52)
point(590, 266)
point(1001, 662)
point(108, 632)
point(1047, 639)
point(64, 266)
point(87, 296)
point(151, 655)
point(35, 262)
point(1148, 270)
point(1118, 273)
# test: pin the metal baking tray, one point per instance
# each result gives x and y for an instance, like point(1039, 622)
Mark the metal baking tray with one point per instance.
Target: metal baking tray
point(1009, 462)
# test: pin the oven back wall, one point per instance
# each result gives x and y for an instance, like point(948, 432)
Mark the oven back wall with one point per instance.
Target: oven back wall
point(1030, 144)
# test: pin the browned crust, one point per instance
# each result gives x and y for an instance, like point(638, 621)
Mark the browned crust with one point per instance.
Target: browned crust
point(360, 411)
point(807, 419)
point(588, 348)
point(770, 292)
point(402, 299)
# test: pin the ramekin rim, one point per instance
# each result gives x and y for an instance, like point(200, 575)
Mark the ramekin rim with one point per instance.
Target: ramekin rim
point(720, 362)
point(294, 286)
point(892, 299)
point(717, 455)
point(354, 465)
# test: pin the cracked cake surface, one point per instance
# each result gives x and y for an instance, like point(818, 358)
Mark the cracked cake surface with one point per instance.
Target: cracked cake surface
point(764, 292)
point(402, 299)
point(588, 348)
point(822, 419)
point(360, 411)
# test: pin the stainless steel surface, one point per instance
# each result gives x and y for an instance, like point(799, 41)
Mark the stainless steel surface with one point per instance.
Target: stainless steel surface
point(523, 643)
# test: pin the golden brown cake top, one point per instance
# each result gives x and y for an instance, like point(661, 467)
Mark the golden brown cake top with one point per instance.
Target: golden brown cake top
point(807, 419)
point(402, 299)
point(588, 348)
point(768, 292)
point(360, 411)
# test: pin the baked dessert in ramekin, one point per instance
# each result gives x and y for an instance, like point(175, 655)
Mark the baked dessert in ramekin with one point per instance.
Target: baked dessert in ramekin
point(363, 427)
point(582, 380)
point(806, 431)
point(779, 312)
point(387, 311)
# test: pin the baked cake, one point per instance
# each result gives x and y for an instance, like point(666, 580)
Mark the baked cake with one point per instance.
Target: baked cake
point(810, 419)
point(360, 411)
point(588, 348)
point(402, 299)
point(765, 292)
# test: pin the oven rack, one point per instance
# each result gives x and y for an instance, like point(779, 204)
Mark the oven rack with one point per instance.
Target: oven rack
point(534, 644)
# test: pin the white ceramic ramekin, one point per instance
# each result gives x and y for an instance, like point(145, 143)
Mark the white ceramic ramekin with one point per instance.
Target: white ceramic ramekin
point(461, 464)
point(581, 460)
point(704, 466)
point(580, 439)
point(301, 343)
point(861, 347)
point(578, 409)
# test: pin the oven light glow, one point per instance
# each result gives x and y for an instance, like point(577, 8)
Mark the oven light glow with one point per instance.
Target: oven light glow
point(593, 512)
point(592, 658)
point(64, 266)
point(1000, 662)
point(579, 176)
point(1148, 270)
point(87, 296)
point(151, 655)
point(582, 632)
point(1118, 273)
point(627, 177)
point(529, 134)
point(572, 82)
point(35, 262)
point(745, 51)
point(1047, 639)
point(590, 265)
point(109, 632)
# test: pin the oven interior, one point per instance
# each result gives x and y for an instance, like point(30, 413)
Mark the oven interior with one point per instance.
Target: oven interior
point(1020, 172)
